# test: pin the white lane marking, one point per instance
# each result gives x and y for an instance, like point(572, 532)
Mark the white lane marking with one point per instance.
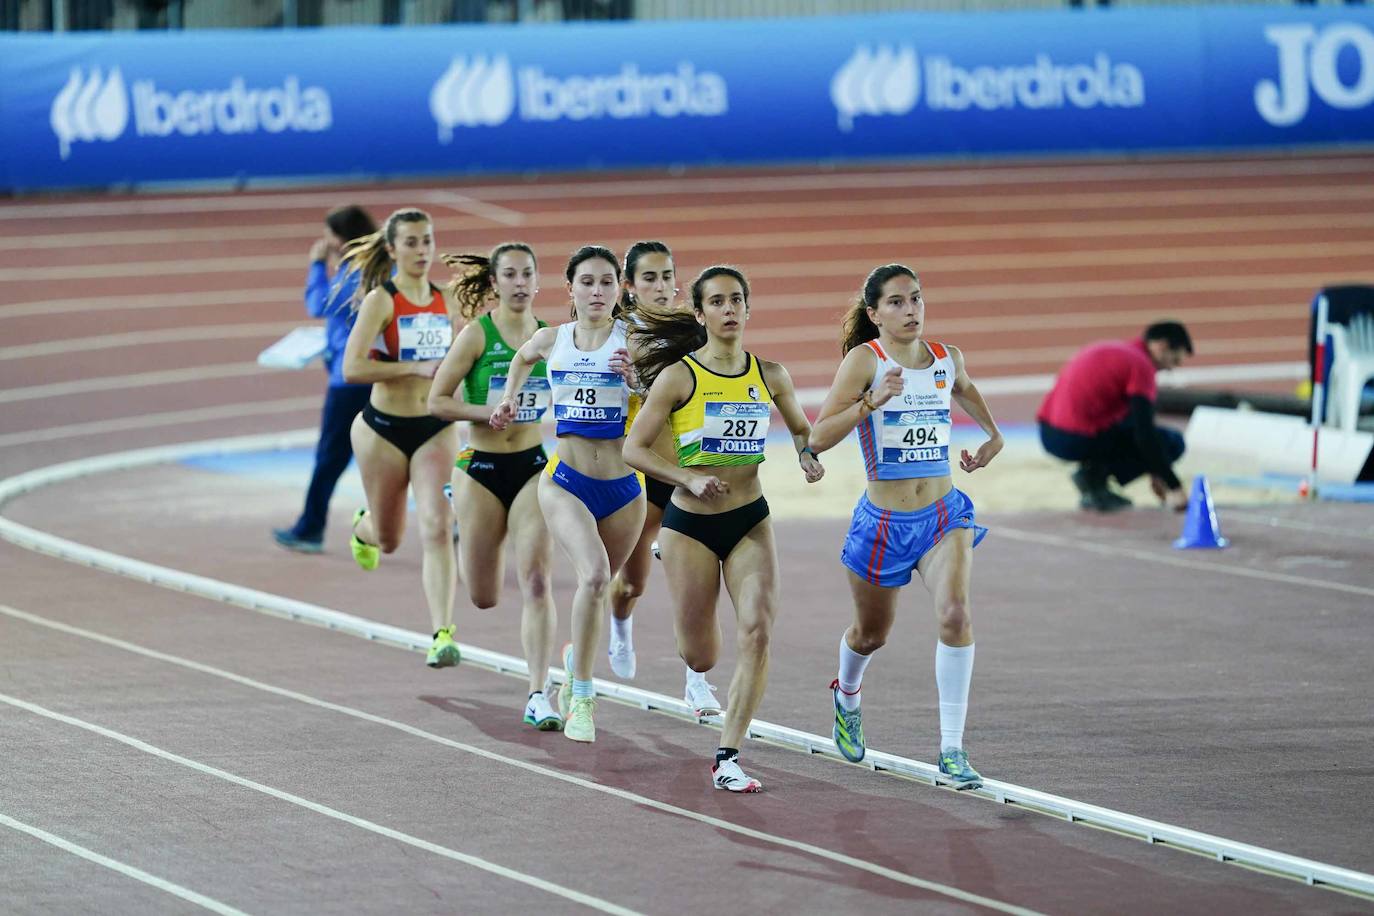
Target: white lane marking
point(1038, 384)
point(194, 299)
point(474, 207)
point(305, 233)
point(262, 602)
point(132, 380)
point(623, 794)
point(1270, 521)
point(1169, 559)
point(714, 241)
point(1067, 172)
point(157, 420)
point(994, 261)
point(939, 328)
point(550, 887)
point(127, 871)
point(143, 338)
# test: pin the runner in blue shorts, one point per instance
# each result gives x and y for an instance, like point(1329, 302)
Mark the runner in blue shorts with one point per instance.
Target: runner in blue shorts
point(896, 389)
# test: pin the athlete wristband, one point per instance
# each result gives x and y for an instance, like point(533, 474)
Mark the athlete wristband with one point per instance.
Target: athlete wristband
point(806, 450)
point(867, 401)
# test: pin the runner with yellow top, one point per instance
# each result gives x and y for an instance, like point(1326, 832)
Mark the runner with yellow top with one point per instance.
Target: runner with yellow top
point(718, 398)
point(495, 485)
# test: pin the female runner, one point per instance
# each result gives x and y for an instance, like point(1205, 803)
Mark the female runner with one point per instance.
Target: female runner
point(896, 387)
point(718, 398)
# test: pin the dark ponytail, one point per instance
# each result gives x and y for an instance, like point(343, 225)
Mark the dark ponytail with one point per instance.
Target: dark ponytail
point(632, 256)
point(664, 338)
point(858, 326)
point(472, 287)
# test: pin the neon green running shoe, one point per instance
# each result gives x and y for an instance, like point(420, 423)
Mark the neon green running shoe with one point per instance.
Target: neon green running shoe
point(961, 774)
point(365, 555)
point(579, 725)
point(848, 730)
point(443, 652)
point(565, 692)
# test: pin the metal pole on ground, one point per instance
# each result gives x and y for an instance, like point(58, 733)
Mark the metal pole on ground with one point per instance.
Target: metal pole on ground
point(1309, 486)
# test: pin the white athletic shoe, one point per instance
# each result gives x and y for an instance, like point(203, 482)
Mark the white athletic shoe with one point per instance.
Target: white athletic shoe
point(540, 714)
point(701, 696)
point(727, 775)
point(622, 659)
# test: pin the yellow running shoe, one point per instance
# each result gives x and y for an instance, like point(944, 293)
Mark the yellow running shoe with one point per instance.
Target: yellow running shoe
point(579, 725)
point(365, 555)
point(443, 652)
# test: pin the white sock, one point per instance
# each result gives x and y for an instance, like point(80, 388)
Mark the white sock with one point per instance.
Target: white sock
point(953, 672)
point(620, 631)
point(851, 676)
point(694, 677)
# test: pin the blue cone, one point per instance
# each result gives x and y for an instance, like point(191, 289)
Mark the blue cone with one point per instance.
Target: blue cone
point(1200, 529)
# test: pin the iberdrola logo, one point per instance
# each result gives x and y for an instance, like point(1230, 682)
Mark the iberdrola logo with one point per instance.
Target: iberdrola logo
point(89, 107)
point(476, 92)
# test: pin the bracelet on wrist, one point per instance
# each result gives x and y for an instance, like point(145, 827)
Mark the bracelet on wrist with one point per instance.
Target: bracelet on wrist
point(867, 401)
point(806, 450)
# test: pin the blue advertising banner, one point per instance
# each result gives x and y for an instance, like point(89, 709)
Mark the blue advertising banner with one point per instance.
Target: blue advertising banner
point(94, 110)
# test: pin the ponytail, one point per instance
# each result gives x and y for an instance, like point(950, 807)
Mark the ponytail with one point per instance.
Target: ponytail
point(632, 256)
point(664, 338)
point(472, 287)
point(369, 257)
point(858, 326)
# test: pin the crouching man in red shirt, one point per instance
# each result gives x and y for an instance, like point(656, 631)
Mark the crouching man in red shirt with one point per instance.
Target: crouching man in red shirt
point(1101, 414)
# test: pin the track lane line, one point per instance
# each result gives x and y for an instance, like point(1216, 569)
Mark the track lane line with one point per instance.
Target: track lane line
point(262, 602)
point(542, 771)
point(144, 338)
point(694, 241)
point(550, 887)
point(1095, 259)
point(1068, 172)
point(128, 871)
point(159, 420)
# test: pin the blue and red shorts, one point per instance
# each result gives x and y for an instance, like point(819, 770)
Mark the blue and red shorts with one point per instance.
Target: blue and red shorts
point(883, 546)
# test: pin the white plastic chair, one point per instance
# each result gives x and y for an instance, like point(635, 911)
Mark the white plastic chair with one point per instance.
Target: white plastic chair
point(1352, 365)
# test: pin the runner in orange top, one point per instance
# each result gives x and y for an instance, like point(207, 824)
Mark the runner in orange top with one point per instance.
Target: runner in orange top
point(403, 330)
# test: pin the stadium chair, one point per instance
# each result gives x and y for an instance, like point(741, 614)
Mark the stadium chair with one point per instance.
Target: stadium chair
point(1352, 366)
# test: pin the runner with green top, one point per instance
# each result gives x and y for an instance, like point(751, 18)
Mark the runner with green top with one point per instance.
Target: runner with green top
point(494, 484)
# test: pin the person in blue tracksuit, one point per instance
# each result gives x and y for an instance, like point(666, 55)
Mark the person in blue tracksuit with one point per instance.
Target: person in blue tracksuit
point(330, 297)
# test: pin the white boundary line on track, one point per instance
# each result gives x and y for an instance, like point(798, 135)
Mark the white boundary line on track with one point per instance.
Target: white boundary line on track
point(127, 871)
point(1252, 518)
point(1154, 832)
point(549, 887)
point(933, 175)
point(142, 338)
point(538, 769)
point(157, 420)
point(704, 239)
point(1169, 559)
point(807, 397)
point(133, 380)
point(1228, 256)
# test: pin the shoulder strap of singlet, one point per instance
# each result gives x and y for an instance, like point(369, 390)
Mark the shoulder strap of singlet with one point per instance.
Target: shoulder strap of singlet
point(937, 350)
point(873, 345)
point(390, 288)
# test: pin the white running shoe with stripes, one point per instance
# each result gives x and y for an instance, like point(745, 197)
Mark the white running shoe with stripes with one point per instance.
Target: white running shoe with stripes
point(701, 696)
point(727, 775)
